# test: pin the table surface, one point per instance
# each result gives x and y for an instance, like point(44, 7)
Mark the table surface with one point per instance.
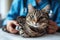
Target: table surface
point(8, 36)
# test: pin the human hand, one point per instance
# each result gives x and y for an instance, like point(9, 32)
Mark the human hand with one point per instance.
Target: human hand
point(11, 26)
point(52, 27)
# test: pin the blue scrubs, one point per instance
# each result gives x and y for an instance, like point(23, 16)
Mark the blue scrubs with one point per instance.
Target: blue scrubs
point(19, 8)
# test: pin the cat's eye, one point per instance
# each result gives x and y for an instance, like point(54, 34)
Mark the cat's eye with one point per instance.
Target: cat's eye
point(32, 16)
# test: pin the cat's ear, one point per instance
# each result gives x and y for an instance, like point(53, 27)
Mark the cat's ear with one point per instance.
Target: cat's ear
point(46, 8)
point(30, 8)
point(44, 11)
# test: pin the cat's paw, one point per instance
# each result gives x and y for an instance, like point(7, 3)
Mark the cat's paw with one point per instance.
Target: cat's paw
point(25, 35)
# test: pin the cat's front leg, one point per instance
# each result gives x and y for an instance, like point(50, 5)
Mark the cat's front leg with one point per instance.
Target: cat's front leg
point(25, 35)
point(22, 32)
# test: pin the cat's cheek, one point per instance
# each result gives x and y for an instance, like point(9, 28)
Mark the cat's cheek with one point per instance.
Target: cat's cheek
point(43, 25)
point(27, 18)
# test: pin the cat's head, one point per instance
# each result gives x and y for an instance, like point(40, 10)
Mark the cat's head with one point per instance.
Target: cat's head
point(36, 17)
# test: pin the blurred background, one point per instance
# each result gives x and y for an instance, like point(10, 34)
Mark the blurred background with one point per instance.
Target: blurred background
point(4, 8)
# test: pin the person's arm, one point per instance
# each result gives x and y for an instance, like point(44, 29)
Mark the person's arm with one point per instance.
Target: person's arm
point(54, 23)
point(13, 13)
point(58, 18)
point(9, 23)
point(55, 7)
point(46, 5)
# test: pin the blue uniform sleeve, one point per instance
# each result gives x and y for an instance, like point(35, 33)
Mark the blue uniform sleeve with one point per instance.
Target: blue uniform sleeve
point(55, 7)
point(17, 9)
point(58, 17)
point(13, 13)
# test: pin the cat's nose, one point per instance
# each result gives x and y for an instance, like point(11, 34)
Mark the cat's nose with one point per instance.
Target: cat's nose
point(36, 20)
point(35, 24)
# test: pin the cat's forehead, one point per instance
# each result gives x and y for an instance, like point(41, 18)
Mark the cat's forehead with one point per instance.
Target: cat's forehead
point(37, 12)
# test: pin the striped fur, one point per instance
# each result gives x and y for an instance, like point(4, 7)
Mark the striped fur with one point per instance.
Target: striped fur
point(34, 24)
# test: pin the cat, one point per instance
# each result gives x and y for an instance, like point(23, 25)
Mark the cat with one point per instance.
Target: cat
point(34, 24)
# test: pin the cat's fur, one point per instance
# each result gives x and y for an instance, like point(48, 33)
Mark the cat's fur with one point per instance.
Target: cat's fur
point(34, 24)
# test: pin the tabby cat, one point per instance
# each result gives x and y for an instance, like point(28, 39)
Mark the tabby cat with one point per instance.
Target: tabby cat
point(34, 24)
